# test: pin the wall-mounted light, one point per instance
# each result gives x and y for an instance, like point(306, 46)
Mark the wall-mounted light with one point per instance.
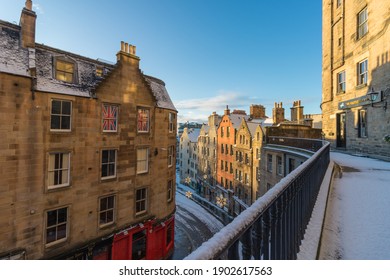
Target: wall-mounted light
point(373, 96)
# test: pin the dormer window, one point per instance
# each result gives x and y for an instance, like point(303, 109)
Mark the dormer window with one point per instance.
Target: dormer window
point(99, 71)
point(65, 70)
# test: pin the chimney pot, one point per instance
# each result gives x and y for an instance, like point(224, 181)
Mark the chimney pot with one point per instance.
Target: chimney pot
point(29, 5)
point(132, 49)
point(122, 46)
point(126, 48)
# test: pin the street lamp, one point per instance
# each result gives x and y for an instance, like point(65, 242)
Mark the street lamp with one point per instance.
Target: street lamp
point(187, 180)
point(373, 96)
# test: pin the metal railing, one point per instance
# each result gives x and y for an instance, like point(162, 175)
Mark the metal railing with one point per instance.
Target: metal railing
point(273, 227)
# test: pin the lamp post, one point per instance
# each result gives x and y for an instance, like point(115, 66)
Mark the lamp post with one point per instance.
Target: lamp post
point(205, 186)
point(187, 180)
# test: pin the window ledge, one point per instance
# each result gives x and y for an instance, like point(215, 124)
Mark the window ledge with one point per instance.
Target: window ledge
point(108, 179)
point(60, 130)
point(142, 213)
point(106, 226)
point(56, 243)
point(361, 86)
point(58, 187)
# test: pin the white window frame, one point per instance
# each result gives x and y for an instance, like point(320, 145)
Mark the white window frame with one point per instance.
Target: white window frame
point(279, 163)
point(56, 226)
point(109, 162)
point(171, 122)
point(362, 69)
point(269, 162)
point(341, 86)
point(53, 171)
point(170, 156)
point(61, 115)
point(142, 160)
point(106, 210)
point(362, 23)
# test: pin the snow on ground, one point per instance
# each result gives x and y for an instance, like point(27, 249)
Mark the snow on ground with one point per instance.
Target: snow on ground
point(201, 213)
point(357, 223)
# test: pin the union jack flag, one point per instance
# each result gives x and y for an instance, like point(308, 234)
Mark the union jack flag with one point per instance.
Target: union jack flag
point(110, 117)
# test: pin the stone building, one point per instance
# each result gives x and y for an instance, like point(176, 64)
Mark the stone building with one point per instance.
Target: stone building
point(285, 143)
point(230, 122)
point(356, 75)
point(247, 150)
point(83, 143)
point(188, 156)
point(207, 155)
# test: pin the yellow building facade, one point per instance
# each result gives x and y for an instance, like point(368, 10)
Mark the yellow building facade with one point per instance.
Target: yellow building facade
point(82, 143)
point(356, 76)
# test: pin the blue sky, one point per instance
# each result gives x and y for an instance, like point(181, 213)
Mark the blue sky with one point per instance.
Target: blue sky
point(210, 53)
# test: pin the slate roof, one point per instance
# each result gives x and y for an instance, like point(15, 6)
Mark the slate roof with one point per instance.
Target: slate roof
point(17, 60)
point(193, 134)
point(236, 119)
point(13, 59)
point(252, 126)
point(160, 93)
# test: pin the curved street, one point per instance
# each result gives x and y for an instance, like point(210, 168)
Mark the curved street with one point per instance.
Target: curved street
point(194, 225)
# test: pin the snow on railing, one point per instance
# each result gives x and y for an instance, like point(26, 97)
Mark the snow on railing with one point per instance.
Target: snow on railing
point(272, 227)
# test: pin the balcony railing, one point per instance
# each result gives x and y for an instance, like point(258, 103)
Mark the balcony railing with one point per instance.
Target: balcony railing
point(273, 227)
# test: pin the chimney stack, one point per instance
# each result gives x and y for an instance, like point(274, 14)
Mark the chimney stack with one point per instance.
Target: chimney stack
point(213, 119)
point(227, 110)
point(27, 24)
point(278, 113)
point(297, 112)
point(257, 111)
point(127, 53)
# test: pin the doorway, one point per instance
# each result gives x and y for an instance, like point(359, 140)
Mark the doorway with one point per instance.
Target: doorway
point(341, 130)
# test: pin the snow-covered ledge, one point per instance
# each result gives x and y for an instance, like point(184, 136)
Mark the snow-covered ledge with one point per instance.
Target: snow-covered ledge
point(311, 241)
point(225, 238)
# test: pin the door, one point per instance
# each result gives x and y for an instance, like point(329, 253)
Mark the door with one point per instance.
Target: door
point(341, 131)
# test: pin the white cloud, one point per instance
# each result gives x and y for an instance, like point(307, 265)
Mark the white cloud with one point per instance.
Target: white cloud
point(199, 109)
point(215, 103)
point(38, 8)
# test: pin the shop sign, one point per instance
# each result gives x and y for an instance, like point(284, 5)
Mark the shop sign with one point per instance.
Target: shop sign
point(359, 101)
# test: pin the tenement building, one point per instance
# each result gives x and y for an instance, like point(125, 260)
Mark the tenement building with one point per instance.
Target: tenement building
point(207, 156)
point(228, 125)
point(287, 144)
point(82, 144)
point(188, 155)
point(356, 75)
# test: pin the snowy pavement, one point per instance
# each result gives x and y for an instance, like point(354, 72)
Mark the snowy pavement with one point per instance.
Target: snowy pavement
point(357, 224)
point(194, 225)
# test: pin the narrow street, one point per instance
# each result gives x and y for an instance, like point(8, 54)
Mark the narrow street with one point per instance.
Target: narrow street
point(194, 225)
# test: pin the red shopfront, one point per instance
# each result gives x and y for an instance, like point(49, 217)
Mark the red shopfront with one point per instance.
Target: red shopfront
point(151, 241)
